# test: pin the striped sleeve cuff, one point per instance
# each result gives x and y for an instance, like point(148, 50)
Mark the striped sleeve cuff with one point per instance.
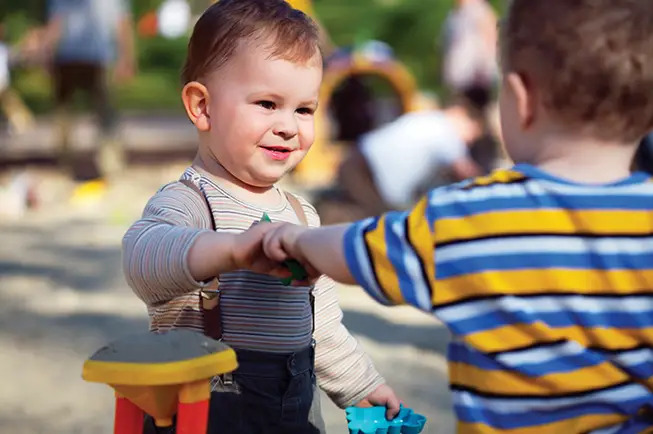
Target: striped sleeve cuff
point(358, 259)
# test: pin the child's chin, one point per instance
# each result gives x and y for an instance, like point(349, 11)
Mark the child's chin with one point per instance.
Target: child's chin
point(266, 179)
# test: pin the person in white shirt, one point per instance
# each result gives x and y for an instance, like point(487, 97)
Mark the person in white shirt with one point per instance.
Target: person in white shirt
point(470, 41)
point(391, 166)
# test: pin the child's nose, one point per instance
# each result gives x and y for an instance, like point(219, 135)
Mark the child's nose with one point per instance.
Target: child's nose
point(286, 126)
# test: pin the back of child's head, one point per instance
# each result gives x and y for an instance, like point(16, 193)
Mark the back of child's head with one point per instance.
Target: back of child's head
point(228, 23)
point(589, 61)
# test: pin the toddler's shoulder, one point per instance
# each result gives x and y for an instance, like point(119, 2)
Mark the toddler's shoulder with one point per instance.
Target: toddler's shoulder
point(181, 203)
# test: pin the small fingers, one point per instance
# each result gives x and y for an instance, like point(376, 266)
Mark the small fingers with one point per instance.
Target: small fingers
point(272, 247)
point(392, 407)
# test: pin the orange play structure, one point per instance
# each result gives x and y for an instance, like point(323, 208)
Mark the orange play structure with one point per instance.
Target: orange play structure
point(162, 375)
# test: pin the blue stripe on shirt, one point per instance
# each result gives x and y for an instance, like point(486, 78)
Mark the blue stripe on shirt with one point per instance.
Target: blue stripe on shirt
point(525, 261)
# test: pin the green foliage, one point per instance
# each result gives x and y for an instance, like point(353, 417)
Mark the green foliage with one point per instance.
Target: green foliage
point(152, 90)
point(165, 55)
point(411, 27)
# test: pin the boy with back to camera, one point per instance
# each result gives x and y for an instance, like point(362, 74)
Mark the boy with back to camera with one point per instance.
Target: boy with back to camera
point(251, 79)
point(543, 272)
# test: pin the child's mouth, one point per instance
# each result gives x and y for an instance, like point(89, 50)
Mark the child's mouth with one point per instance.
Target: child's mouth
point(276, 152)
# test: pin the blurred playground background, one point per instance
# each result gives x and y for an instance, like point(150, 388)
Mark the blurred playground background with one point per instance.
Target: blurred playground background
point(411, 27)
point(61, 287)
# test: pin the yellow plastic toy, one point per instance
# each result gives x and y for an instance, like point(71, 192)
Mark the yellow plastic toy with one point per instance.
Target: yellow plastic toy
point(161, 375)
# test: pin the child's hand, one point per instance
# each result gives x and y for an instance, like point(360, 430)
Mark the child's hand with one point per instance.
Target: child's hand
point(280, 244)
point(247, 252)
point(385, 396)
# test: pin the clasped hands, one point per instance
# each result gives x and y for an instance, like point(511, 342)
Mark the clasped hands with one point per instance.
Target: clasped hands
point(265, 246)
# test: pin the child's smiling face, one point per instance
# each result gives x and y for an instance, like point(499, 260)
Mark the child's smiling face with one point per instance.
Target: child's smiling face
point(261, 111)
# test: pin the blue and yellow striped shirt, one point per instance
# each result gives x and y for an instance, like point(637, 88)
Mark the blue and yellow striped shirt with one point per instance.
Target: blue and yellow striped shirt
point(547, 288)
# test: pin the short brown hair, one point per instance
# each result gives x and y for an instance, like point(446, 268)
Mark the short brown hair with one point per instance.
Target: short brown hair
point(226, 23)
point(590, 60)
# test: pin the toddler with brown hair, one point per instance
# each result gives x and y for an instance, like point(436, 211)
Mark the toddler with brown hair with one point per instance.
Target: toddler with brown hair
point(251, 82)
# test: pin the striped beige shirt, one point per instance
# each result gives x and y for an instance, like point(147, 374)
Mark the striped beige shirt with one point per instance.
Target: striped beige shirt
point(258, 313)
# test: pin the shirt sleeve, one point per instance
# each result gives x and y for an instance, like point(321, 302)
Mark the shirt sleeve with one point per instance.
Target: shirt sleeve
point(342, 367)
point(450, 149)
point(155, 248)
point(392, 256)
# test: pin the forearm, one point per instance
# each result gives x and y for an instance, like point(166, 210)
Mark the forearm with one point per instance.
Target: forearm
point(211, 254)
point(323, 249)
point(162, 261)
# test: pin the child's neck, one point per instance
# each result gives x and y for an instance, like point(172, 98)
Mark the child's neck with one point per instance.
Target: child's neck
point(582, 159)
point(266, 196)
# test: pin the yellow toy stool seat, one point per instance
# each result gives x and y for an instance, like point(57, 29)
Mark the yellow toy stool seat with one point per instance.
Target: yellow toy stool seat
point(161, 374)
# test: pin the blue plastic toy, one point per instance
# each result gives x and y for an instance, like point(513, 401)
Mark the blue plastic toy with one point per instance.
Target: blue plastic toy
point(372, 421)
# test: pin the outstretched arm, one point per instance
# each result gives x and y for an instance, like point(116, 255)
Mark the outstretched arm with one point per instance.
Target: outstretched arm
point(172, 250)
point(392, 256)
point(321, 249)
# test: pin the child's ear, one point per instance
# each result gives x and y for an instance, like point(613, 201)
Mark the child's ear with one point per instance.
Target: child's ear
point(525, 98)
point(195, 97)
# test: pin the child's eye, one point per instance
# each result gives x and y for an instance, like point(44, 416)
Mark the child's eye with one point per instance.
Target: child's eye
point(268, 105)
point(305, 111)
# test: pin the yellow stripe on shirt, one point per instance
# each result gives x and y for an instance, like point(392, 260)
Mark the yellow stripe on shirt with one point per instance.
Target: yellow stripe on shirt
point(547, 221)
point(497, 177)
point(419, 237)
point(538, 281)
point(513, 383)
point(516, 336)
point(385, 272)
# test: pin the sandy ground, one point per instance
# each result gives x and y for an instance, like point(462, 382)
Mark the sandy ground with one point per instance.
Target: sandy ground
point(62, 296)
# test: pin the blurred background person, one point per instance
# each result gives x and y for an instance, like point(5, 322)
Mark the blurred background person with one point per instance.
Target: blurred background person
point(85, 37)
point(395, 164)
point(469, 47)
point(18, 116)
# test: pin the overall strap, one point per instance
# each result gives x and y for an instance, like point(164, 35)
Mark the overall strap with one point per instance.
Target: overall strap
point(297, 207)
point(209, 297)
point(299, 211)
point(190, 184)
